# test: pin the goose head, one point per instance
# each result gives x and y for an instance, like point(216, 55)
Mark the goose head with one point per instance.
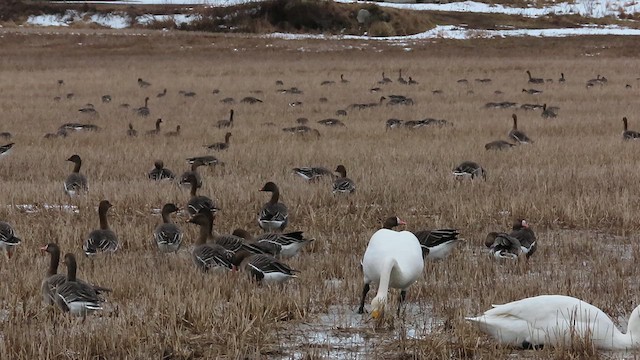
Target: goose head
point(227, 136)
point(520, 224)
point(104, 206)
point(75, 159)
point(270, 187)
point(158, 164)
point(50, 248)
point(204, 217)
point(392, 222)
point(170, 208)
point(340, 169)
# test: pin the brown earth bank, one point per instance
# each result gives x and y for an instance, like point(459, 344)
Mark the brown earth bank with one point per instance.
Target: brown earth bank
point(575, 185)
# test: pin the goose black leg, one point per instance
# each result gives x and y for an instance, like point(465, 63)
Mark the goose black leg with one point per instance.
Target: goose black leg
point(365, 290)
point(403, 295)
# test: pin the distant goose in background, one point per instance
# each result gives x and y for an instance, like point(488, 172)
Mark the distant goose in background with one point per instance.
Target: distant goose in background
point(226, 123)
point(264, 268)
point(533, 80)
point(52, 280)
point(6, 149)
point(412, 82)
point(503, 246)
point(6, 135)
point(250, 100)
point(143, 110)
point(557, 321)
point(498, 145)
point(331, 122)
point(132, 132)
point(341, 112)
point(88, 110)
point(103, 239)
point(302, 121)
point(198, 203)
point(470, 169)
point(106, 98)
point(286, 245)
point(274, 215)
point(220, 145)
point(343, 184)
point(60, 82)
point(437, 244)
point(532, 91)
point(562, 79)
point(173, 133)
point(78, 127)
point(168, 236)
point(530, 106)
point(228, 100)
point(76, 182)
point(155, 131)
point(313, 173)
point(401, 80)
point(159, 172)
point(629, 134)
point(393, 124)
point(163, 93)
point(209, 256)
point(8, 239)
point(205, 160)
point(392, 259)
point(385, 80)
point(548, 112)
point(517, 135)
point(521, 231)
point(343, 80)
point(76, 297)
point(143, 84)
point(60, 133)
point(302, 130)
point(187, 93)
point(279, 82)
point(327, 82)
point(188, 177)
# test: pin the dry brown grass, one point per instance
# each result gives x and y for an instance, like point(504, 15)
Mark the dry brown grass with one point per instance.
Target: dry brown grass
point(576, 185)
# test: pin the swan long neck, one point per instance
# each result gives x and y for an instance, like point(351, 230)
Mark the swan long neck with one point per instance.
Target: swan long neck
point(630, 339)
point(385, 277)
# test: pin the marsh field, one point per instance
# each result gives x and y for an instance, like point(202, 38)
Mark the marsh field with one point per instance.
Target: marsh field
point(576, 185)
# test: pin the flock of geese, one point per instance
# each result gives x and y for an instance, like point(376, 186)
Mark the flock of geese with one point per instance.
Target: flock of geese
point(392, 259)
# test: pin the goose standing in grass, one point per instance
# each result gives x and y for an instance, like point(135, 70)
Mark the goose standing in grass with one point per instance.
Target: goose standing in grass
point(562, 79)
point(53, 279)
point(556, 321)
point(629, 134)
point(205, 255)
point(517, 135)
point(6, 135)
point(343, 80)
point(498, 145)
point(313, 173)
point(192, 175)
point(156, 130)
point(132, 132)
point(274, 214)
point(168, 236)
point(206, 160)
point(285, 245)
point(173, 133)
point(197, 202)
point(533, 80)
point(143, 84)
point(159, 172)
point(75, 182)
point(103, 239)
point(503, 246)
point(144, 110)
point(226, 123)
point(401, 80)
point(220, 145)
point(265, 268)
point(392, 259)
point(6, 149)
point(162, 94)
point(525, 235)
point(73, 296)
point(437, 244)
point(385, 80)
point(8, 239)
point(469, 169)
point(343, 184)
point(547, 112)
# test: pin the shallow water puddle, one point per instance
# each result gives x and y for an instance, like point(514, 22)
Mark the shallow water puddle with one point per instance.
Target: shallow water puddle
point(342, 333)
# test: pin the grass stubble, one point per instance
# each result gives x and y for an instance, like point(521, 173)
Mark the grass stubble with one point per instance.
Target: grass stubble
point(575, 185)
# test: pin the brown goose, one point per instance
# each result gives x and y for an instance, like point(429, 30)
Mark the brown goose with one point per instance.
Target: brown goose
point(220, 145)
point(264, 268)
point(401, 80)
point(189, 175)
point(155, 131)
point(498, 145)
point(437, 244)
point(525, 235)
point(274, 214)
point(547, 112)
point(517, 135)
point(103, 239)
point(159, 172)
point(143, 84)
point(226, 123)
point(533, 80)
point(143, 110)
point(8, 239)
point(470, 169)
point(75, 297)
point(282, 245)
point(629, 134)
point(173, 133)
point(343, 184)
point(132, 132)
point(163, 93)
point(503, 246)
point(168, 236)
point(75, 182)
point(313, 173)
point(208, 256)
point(51, 282)
point(197, 202)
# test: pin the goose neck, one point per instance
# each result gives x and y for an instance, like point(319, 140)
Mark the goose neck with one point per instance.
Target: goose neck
point(102, 214)
point(71, 269)
point(76, 167)
point(53, 262)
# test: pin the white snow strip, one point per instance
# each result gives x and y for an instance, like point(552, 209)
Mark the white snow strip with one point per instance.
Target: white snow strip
point(177, 18)
point(32, 208)
point(212, 3)
point(111, 20)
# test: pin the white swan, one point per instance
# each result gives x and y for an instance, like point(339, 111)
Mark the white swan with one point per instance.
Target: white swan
point(555, 320)
point(392, 259)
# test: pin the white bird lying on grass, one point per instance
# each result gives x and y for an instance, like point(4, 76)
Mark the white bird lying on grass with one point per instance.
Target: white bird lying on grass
point(556, 320)
point(392, 259)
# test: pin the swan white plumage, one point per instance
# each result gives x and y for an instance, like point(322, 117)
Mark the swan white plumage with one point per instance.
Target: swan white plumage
point(555, 320)
point(392, 259)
